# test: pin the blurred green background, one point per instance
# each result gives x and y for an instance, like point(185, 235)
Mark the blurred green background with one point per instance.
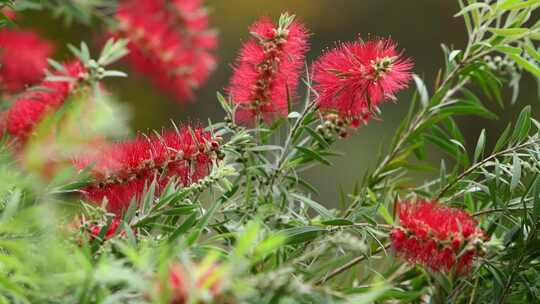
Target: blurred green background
point(418, 26)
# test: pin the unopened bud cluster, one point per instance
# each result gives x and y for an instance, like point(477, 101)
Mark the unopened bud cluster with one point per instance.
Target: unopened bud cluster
point(333, 127)
point(211, 179)
point(500, 65)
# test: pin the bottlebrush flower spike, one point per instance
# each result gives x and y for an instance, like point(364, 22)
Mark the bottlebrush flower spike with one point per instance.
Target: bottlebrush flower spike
point(436, 236)
point(123, 170)
point(267, 71)
point(354, 78)
point(29, 109)
point(170, 41)
point(23, 59)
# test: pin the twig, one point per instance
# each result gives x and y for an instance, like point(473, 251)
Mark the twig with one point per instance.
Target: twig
point(291, 134)
point(279, 163)
point(473, 293)
point(483, 162)
point(350, 264)
point(420, 118)
point(508, 284)
point(488, 211)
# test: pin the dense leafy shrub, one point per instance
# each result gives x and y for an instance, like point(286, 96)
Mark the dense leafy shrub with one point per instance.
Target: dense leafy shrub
point(221, 212)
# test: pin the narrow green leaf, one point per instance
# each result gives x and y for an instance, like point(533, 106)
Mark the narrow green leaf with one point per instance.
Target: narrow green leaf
point(112, 73)
point(536, 199)
point(203, 222)
point(294, 115)
point(509, 32)
point(422, 90)
point(85, 52)
point(508, 49)
point(442, 175)
point(311, 154)
point(186, 225)
point(303, 234)
point(532, 52)
point(265, 148)
point(56, 65)
point(480, 145)
point(465, 107)
point(269, 245)
point(316, 136)
point(503, 139)
point(473, 7)
point(180, 210)
point(338, 222)
point(224, 103)
point(516, 172)
point(517, 4)
point(321, 210)
point(523, 125)
point(531, 67)
point(383, 212)
point(247, 239)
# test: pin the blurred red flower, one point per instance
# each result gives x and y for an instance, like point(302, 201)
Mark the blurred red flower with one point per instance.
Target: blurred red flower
point(436, 236)
point(268, 68)
point(29, 109)
point(23, 59)
point(9, 13)
point(181, 283)
point(95, 230)
point(170, 41)
point(354, 78)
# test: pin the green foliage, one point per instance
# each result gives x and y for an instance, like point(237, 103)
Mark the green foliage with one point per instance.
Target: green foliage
point(258, 218)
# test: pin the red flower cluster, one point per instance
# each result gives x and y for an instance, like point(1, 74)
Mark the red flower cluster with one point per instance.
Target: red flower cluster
point(268, 68)
point(123, 170)
point(29, 109)
point(355, 77)
point(170, 41)
point(23, 59)
point(439, 237)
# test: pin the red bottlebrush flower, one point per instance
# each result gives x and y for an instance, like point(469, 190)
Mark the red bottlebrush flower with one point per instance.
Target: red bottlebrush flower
point(436, 236)
point(356, 77)
point(267, 71)
point(123, 170)
point(95, 230)
point(170, 41)
point(29, 109)
point(23, 59)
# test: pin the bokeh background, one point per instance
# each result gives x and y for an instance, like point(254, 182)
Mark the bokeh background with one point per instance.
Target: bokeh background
point(418, 26)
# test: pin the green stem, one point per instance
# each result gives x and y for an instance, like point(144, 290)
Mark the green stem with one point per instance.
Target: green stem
point(419, 120)
point(284, 153)
point(350, 264)
point(483, 162)
point(489, 211)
